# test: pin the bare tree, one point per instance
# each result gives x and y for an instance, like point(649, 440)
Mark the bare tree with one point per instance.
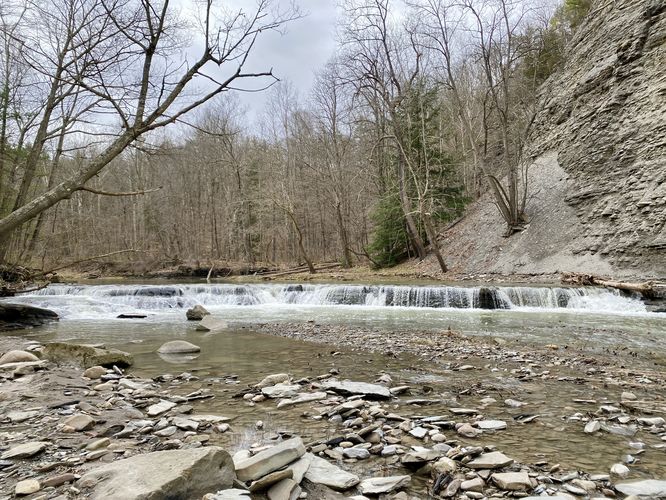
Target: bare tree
point(115, 58)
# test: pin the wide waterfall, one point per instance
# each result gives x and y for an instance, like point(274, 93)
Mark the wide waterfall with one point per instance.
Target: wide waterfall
point(155, 298)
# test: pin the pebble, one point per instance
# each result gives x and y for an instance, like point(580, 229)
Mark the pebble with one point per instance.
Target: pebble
point(27, 487)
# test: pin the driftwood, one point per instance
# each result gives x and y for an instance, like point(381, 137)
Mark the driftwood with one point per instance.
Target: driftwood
point(299, 270)
point(649, 289)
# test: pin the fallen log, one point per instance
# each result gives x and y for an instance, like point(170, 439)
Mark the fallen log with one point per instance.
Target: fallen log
point(299, 270)
point(648, 289)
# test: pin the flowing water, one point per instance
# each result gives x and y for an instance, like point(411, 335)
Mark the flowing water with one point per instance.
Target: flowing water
point(587, 317)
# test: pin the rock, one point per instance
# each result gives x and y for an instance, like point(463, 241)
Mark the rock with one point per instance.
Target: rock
point(17, 357)
point(647, 488)
point(161, 475)
point(80, 422)
point(270, 460)
point(444, 465)
point(13, 316)
point(211, 323)
point(419, 432)
point(281, 391)
point(592, 426)
point(349, 388)
point(512, 481)
point(16, 417)
point(94, 372)
point(270, 479)
point(514, 403)
point(628, 396)
point(178, 347)
point(324, 473)
point(303, 397)
point(620, 470)
point(300, 467)
point(274, 379)
point(379, 485)
point(25, 450)
point(98, 444)
point(653, 421)
point(232, 494)
point(185, 424)
point(491, 425)
point(492, 460)
point(463, 411)
point(59, 480)
point(418, 458)
point(467, 430)
point(477, 484)
point(26, 487)
point(85, 356)
point(196, 313)
point(357, 453)
point(162, 407)
point(287, 489)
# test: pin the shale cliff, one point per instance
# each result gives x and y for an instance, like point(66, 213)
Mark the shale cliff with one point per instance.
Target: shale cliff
point(598, 178)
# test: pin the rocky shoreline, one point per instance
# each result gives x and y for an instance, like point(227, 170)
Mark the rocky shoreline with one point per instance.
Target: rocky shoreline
point(73, 429)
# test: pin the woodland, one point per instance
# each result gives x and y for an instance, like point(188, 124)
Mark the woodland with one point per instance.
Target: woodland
point(112, 141)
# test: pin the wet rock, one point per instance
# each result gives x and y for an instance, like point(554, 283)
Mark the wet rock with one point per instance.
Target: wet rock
point(17, 357)
point(14, 316)
point(592, 426)
point(303, 397)
point(512, 481)
point(491, 425)
point(379, 485)
point(25, 450)
point(324, 473)
point(276, 378)
point(178, 347)
point(212, 323)
point(161, 475)
point(647, 488)
point(467, 430)
point(94, 372)
point(196, 313)
point(27, 487)
point(85, 356)
point(279, 391)
point(492, 460)
point(269, 460)
point(287, 489)
point(80, 422)
point(349, 388)
point(620, 470)
point(162, 407)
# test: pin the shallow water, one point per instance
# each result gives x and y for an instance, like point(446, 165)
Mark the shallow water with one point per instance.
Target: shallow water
point(250, 356)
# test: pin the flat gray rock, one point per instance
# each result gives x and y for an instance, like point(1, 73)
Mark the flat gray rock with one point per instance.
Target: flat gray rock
point(325, 473)
point(302, 397)
point(512, 481)
point(211, 323)
point(648, 488)
point(379, 485)
point(281, 391)
point(25, 450)
point(493, 460)
point(272, 459)
point(162, 407)
point(160, 475)
point(178, 347)
point(349, 388)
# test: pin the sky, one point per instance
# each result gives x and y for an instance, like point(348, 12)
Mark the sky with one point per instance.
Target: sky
point(298, 53)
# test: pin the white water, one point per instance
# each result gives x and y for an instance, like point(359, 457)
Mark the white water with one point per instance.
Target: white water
point(107, 301)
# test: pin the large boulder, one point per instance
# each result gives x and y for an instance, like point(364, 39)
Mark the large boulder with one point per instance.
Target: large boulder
point(15, 316)
point(197, 313)
point(85, 356)
point(162, 475)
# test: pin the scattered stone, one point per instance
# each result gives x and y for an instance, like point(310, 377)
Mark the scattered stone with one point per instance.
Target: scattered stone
point(477, 484)
point(80, 422)
point(59, 480)
point(269, 460)
point(491, 425)
point(357, 453)
point(379, 485)
point(324, 473)
point(467, 430)
point(187, 473)
point(25, 450)
point(231, 494)
point(303, 397)
point(592, 426)
point(512, 481)
point(279, 391)
point(463, 411)
point(27, 487)
point(274, 379)
point(647, 488)
point(94, 372)
point(162, 407)
point(419, 432)
point(492, 460)
point(620, 470)
point(349, 388)
point(16, 417)
point(196, 313)
point(178, 347)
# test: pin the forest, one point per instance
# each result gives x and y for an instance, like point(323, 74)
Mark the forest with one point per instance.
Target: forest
point(108, 143)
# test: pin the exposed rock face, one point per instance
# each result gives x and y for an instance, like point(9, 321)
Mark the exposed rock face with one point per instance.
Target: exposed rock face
point(14, 316)
point(604, 114)
point(597, 181)
point(161, 475)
